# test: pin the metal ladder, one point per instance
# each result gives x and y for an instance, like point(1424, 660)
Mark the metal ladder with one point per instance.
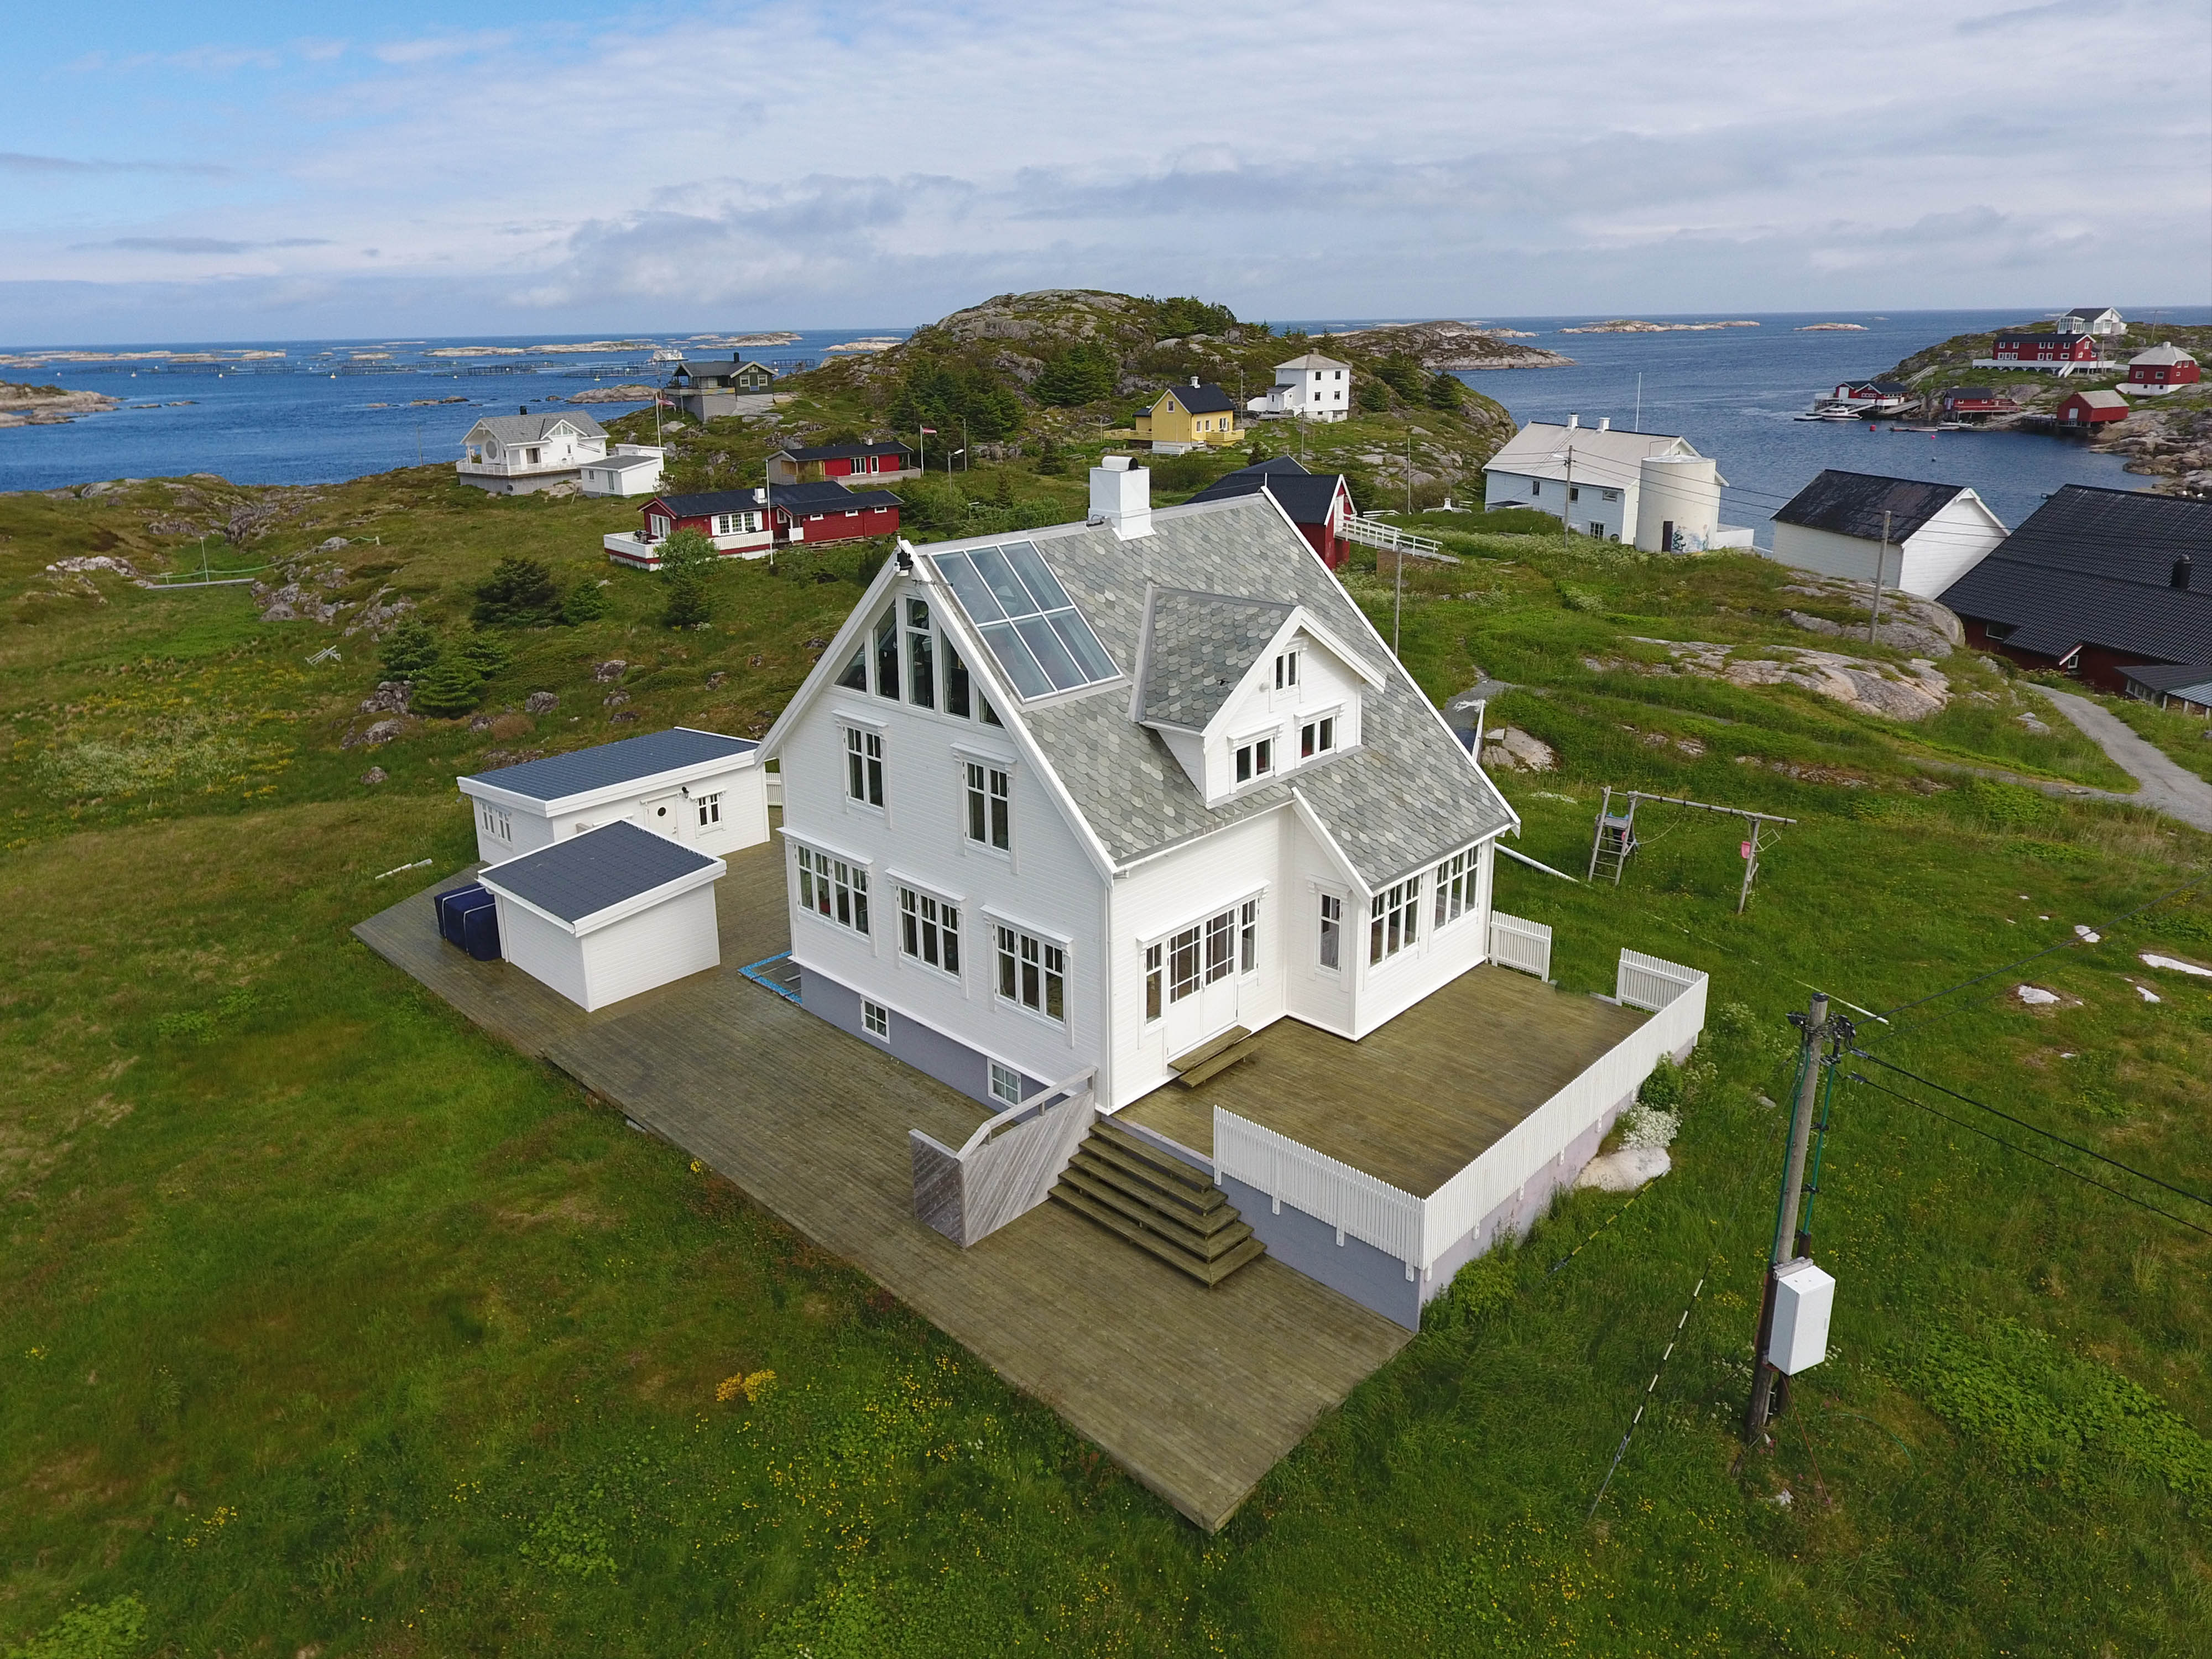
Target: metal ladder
point(1615, 840)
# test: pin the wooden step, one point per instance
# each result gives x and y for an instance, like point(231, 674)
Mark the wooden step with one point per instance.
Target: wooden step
point(1197, 1210)
point(1220, 1063)
point(1205, 1245)
point(1110, 1186)
point(1160, 1162)
point(1208, 1049)
point(1206, 1273)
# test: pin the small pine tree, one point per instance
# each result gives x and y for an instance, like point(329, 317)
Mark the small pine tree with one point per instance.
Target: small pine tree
point(486, 654)
point(1051, 461)
point(519, 593)
point(1003, 494)
point(586, 602)
point(687, 605)
point(409, 649)
point(449, 689)
point(1447, 393)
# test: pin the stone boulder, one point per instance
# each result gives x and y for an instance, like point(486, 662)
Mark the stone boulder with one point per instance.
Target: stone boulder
point(1509, 749)
point(613, 669)
point(540, 702)
point(382, 732)
point(374, 774)
point(390, 697)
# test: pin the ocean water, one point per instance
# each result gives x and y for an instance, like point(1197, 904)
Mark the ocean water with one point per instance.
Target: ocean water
point(1731, 392)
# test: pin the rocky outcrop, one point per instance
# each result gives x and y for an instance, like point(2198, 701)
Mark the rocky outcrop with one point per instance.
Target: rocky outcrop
point(49, 405)
point(1911, 692)
point(1449, 345)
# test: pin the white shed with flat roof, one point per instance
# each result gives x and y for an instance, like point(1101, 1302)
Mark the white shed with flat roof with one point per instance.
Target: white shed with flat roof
point(700, 788)
point(608, 913)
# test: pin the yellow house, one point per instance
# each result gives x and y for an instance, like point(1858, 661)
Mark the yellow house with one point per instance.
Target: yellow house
point(1185, 416)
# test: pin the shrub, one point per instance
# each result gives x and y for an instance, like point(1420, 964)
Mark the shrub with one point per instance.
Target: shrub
point(687, 550)
point(1194, 470)
point(1447, 393)
point(687, 605)
point(1051, 461)
point(105, 1630)
point(486, 653)
point(586, 602)
point(519, 593)
point(449, 689)
point(1083, 373)
point(409, 649)
point(1662, 1090)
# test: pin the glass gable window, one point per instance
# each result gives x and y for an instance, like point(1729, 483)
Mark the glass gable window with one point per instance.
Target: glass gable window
point(887, 679)
point(921, 657)
point(1033, 629)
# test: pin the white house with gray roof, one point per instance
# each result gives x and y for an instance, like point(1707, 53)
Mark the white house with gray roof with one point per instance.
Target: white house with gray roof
point(1086, 799)
point(515, 454)
point(1309, 387)
point(1651, 488)
point(702, 789)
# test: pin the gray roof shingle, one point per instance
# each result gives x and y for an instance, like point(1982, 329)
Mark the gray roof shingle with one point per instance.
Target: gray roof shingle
point(1406, 797)
point(557, 777)
point(1200, 646)
point(578, 878)
point(533, 428)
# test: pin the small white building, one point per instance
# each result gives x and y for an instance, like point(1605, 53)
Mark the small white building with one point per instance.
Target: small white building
point(1648, 488)
point(515, 454)
point(701, 788)
point(1937, 532)
point(608, 913)
point(627, 470)
point(1310, 387)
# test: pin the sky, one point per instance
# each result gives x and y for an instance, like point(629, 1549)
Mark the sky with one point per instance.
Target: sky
point(220, 170)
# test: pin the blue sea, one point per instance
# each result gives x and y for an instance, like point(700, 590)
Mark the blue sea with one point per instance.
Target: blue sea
point(328, 410)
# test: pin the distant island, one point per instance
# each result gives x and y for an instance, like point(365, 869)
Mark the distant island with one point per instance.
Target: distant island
point(49, 405)
point(1818, 328)
point(1629, 326)
point(1444, 346)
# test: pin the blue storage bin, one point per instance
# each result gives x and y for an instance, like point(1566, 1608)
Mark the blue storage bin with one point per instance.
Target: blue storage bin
point(480, 930)
point(451, 906)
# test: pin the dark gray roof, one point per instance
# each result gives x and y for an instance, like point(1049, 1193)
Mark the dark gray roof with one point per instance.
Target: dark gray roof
point(706, 502)
point(2095, 567)
point(715, 368)
point(840, 452)
point(592, 871)
point(559, 776)
point(1197, 647)
point(1306, 496)
point(2171, 676)
point(827, 495)
point(1407, 796)
point(1201, 399)
point(1852, 503)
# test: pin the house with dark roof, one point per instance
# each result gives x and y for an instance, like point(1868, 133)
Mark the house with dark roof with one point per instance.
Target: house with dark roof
point(2045, 350)
point(828, 512)
point(1184, 417)
point(2097, 583)
point(702, 789)
point(2185, 687)
point(1077, 820)
point(1977, 403)
point(877, 463)
point(1319, 503)
point(1924, 537)
point(2093, 319)
point(735, 520)
point(520, 454)
point(703, 388)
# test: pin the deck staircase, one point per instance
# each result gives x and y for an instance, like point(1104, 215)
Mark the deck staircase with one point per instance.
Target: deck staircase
point(1214, 1056)
point(1158, 1202)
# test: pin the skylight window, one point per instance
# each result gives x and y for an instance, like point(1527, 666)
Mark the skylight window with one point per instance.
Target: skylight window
point(1039, 639)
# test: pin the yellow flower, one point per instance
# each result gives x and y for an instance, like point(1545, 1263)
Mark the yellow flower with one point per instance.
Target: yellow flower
point(729, 1389)
point(757, 1385)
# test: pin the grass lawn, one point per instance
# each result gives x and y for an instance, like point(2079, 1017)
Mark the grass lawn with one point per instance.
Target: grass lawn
point(328, 1324)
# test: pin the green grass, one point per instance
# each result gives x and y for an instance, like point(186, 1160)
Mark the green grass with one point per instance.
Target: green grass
point(327, 1321)
point(2185, 738)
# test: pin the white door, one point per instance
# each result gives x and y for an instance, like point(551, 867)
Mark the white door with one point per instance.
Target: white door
point(664, 815)
point(1202, 980)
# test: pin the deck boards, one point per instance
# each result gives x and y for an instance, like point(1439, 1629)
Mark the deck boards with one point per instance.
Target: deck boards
point(1197, 1393)
point(1416, 1102)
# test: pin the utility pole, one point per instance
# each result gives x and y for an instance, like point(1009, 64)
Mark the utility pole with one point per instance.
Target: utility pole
point(1880, 558)
point(1567, 506)
point(1787, 1239)
point(1409, 479)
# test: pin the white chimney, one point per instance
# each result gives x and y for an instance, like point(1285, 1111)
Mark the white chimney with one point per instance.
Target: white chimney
point(1573, 421)
point(1605, 422)
point(1122, 496)
point(1194, 379)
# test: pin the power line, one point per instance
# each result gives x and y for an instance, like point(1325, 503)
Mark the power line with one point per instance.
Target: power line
point(2032, 1128)
point(2050, 1162)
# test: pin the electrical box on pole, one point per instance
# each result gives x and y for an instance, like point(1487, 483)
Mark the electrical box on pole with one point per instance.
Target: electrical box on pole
point(1804, 1295)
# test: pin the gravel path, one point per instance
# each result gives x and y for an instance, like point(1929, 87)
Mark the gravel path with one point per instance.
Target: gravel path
point(2162, 783)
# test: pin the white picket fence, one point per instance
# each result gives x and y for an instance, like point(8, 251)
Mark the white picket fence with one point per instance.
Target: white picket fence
point(1517, 942)
point(1417, 1230)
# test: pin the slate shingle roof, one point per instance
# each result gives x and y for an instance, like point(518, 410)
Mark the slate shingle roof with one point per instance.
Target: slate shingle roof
point(533, 428)
point(557, 777)
point(1852, 503)
point(2095, 567)
point(1406, 797)
point(578, 878)
point(1199, 647)
point(1201, 399)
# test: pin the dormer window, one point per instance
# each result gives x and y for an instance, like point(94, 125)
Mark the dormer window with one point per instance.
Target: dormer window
point(1255, 760)
point(1286, 671)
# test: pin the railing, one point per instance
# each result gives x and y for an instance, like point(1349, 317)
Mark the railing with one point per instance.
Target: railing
point(1372, 532)
point(1352, 1201)
point(1005, 1169)
point(1651, 982)
point(1517, 942)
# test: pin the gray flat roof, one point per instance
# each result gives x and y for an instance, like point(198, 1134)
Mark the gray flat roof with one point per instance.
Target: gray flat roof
point(595, 870)
point(629, 760)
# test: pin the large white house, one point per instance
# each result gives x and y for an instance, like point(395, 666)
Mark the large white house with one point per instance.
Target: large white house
point(1309, 388)
point(1649, 487)
point(515, 454)
point(1935, 532)
point(1089, 797)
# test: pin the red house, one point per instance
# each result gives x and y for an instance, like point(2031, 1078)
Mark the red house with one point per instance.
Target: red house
point(735, 520)
point(874, 462)
point(1317, 502)
point(2040, 348)
point(828, 512)
point(1975, 403)
point(2092, 408)
point(2162, 369)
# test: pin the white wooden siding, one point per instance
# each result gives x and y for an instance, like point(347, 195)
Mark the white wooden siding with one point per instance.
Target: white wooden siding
point(651, 948)
point(548, 954)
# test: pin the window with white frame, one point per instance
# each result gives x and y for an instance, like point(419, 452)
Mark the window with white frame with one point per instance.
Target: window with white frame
point(1286, 670)
point(1247, 938)
point(920, 656)
point(496, 820)
point(1255, 760)
point(887, 674)
point(1332, 931)
point(876, 1020)
point(710, 809)
point(1317, 738)
point(1032, 972)
point(1155, 976)
point(1394, 919)
point(1006, 1084)
point(990, 806)
point(864, 766)
point(1455, 879)
point(833, 889)
point(929, 931)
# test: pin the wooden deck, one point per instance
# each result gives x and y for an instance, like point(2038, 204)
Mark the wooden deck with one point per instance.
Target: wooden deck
point(1416, 1102)
point(1197, 1393)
